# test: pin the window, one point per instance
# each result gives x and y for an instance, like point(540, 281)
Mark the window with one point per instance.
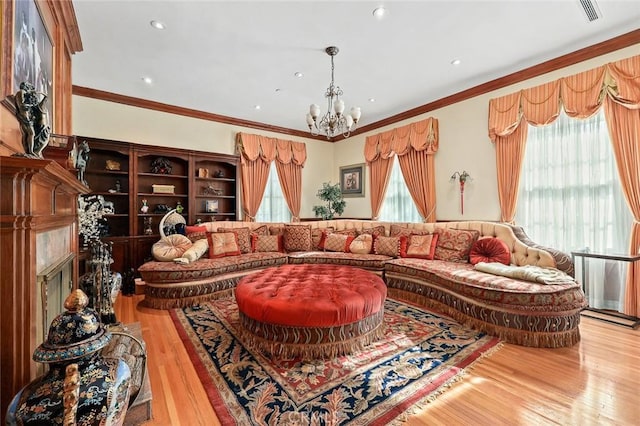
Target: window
point(273, 207)
point(398, 206)
point(570, 198)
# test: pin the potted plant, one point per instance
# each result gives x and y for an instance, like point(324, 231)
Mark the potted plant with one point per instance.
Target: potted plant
point(332, 195)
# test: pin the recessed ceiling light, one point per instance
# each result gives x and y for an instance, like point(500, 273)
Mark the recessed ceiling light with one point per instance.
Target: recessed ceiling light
point(299, 74)
point(456, 62)
point(158, 25)
point(147, 80)
point(372, 99)
point(379, 12)
point(256, 107)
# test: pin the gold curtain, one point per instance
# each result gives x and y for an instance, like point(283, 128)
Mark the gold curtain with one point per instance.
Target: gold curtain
point(622, 109)
point(617, 86)
point(291, 158)
point(256, 154)
point(415, 141)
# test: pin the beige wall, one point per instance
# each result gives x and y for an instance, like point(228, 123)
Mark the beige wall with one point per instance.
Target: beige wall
point(464, 144)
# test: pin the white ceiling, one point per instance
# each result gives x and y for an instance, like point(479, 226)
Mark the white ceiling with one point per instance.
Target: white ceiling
point(225, 57)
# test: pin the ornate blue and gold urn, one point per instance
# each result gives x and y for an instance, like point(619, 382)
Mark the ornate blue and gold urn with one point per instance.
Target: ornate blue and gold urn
point(81, 387)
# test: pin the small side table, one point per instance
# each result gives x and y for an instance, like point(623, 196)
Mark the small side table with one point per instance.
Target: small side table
point(614, 317)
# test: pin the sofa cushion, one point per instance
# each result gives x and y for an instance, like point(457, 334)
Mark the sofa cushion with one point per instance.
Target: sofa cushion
point(297, 238)
point(244, 238)
point(390, 246)
point(373, 262)
point(398, 231)
point(170, 272)
point(337, 242)
point(265, 243)
point(490, 250)
point(223, 244)
point(362, 244)
point(454, 245)
point(421, 246)
point(170, 247)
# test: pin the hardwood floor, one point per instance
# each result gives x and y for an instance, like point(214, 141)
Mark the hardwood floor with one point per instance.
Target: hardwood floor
point(596, 382)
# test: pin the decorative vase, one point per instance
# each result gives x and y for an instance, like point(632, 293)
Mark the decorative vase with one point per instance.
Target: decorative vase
point(81, 387)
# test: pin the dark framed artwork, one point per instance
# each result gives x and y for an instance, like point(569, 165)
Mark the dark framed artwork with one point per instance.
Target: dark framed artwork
point(29, 56)
point(352, 180)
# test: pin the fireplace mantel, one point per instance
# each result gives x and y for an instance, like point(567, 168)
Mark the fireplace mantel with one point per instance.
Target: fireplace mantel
point(38, 228)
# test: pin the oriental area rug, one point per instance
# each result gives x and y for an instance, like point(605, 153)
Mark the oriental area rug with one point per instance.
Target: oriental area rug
point(420, 355)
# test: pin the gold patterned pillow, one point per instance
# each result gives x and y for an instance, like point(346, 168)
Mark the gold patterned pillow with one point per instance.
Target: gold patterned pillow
point(222, 244)
point(454, 245)
point(276, 230)
point(264, 243)
point(297, 238)
point(399, 231)
point(390, 246)
point(337, 242)
point(352, 232)
point(363, 244)
point(421, 246)
point(260, 230)
point(244, 238)
point(378, 231)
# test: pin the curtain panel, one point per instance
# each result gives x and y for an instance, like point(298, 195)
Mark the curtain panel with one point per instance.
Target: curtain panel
point(615, 85)
point(256, 154)
point(418, 141)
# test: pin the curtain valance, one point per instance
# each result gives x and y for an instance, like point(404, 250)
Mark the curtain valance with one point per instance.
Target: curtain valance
point(251, 147)
point(421, 136)
point(581, 95)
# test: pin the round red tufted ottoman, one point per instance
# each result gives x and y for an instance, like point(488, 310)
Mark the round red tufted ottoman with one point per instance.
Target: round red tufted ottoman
point(311, 311)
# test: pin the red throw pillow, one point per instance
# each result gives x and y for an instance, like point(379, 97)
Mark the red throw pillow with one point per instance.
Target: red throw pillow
point(196, 232)
point(223, 244)
point(490, 250)
point(421, 246)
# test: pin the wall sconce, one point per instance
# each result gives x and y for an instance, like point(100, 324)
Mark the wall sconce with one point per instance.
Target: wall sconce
point(462, 179)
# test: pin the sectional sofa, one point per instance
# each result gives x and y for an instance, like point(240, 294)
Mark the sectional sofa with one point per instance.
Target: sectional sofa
point(527, 296)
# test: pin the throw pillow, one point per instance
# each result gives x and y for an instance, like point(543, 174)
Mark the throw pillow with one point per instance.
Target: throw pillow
point(196, 232)
point(454, 245)
point(244, 238)
point(490, 250)
point(377, 231)
point(297, 238)
point(222, 244)
point(170, 247)
point(421, 246)
point(337, 242)
point(317, 237)
point(264, 243)
point(362, 244)
point(390, 246)
point(276, 230)
point(260, 230)
point(399, 231)
point(352, 232)
point(195, 252)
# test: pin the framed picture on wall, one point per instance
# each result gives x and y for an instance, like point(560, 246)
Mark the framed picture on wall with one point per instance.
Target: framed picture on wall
point(211, 206)
point(352, 180)
point(30, 54)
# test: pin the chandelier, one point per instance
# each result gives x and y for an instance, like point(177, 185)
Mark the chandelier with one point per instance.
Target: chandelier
point(334, 122)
